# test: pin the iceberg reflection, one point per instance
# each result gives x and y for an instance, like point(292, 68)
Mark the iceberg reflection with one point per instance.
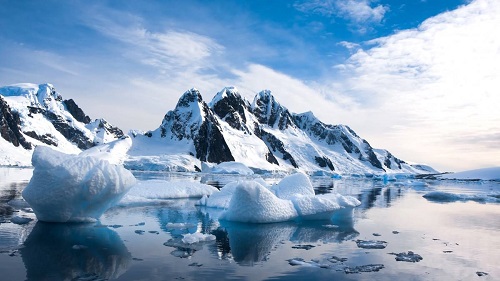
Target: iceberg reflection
point(56, 251)
point(252, 243)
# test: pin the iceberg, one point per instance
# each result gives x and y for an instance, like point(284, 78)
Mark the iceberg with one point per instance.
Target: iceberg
point(74, 188)
point(292, 185)
point(251, 202)
point(292, 198)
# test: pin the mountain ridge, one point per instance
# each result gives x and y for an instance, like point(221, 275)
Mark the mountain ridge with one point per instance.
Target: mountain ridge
point(264, 134)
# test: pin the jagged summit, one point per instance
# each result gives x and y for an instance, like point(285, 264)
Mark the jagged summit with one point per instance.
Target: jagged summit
point(270, 112)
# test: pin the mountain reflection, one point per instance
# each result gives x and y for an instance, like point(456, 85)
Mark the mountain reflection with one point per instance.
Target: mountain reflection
point(56, 251)
point(253, 243)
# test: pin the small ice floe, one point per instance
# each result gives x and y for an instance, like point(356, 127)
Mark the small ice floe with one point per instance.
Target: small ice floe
point(303, 247)
point(481, 273)
point(195, 264)
point(140, 232)
point(302, 262)
point(156, 191)
point(153, 232)
point(371, 244)
point(79, 247)
point(407, 257)
point(376, 234)
point(395, 232)
point(335, 259)
point(197, 238)
point(72, 188)
point(363, 268)
point(446, 197)
point(20, 220)
point(180, 225)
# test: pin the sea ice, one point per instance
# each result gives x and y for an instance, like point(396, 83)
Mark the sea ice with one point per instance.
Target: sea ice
point(71, 188)
point(151, 191)
point(371, 244)
point(408, 257)
point(197, 238)
point(364, 268)
point(231, 168)
point(446, 197)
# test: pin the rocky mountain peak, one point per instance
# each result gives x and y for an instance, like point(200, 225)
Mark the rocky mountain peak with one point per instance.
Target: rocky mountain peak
point(231, 107)
point(270, 112)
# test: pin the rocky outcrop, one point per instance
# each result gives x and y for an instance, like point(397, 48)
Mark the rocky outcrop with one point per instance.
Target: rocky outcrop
point(10, 126)
point(76, 111)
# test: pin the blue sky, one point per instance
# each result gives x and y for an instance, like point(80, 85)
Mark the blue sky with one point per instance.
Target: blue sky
point(419, 78)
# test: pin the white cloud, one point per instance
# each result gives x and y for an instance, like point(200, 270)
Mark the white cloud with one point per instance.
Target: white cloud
point(361, 13)
point(434, 84)
point(168, 51)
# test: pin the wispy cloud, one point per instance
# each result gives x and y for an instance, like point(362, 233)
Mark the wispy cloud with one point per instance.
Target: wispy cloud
point(360, 13)
point(170, 50)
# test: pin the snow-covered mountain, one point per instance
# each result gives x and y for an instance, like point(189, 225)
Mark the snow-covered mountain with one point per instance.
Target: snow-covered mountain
point(262, 134)
point(32, 115)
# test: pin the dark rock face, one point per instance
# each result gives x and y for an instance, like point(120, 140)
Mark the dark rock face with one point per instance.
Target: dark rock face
point(324, 162)
point(269, 112)
point(46, 138)
point(275, 145)
point(70, 133)
point(104, 125)
point(232, 109)
point(10, 126)
point(76, 111)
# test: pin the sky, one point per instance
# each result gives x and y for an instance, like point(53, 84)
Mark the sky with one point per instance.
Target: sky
point(420, 78)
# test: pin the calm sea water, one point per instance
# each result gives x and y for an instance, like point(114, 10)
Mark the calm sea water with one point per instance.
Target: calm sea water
point(456, 240)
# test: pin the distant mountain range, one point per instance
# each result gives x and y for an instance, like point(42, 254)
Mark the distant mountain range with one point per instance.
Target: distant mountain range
point(262, 134)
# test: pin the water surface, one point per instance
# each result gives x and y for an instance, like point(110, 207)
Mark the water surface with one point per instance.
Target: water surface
point(455, 239)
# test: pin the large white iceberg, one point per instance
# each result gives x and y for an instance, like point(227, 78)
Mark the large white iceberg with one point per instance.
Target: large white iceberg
point(73, 188)
point(292, 198)
point(251, 202)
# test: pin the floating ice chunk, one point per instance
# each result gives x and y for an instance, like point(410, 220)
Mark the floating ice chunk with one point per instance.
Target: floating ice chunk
point(371, 244)
point(180, 225)
point(251, 202)
point(446, 197)
point(151, 190)
point(292, 185)
point(197, 238)
point(408, 257)
point(71, 188)
point(231, 168)
point(363, 268)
